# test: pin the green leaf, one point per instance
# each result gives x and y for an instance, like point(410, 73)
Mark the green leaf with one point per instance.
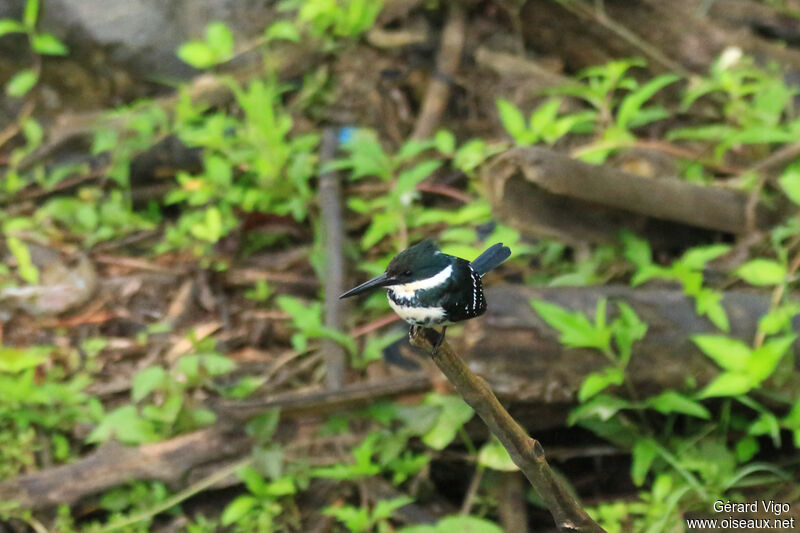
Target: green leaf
point(125, 425)
point(790, 182)
point(445, 142)
point(696, 258)
point(636, 249)
point(727, 384)
point(778, 318)
point(47, 44)
point(708, 303)
point(15, 360)
point(25, 267)
point(746, 448)
point(197, 54)
point(602, 406)
point(761, 272)
point(220, 39)
point(31, 13)
point(513, 120)
point(285, 30)
point(10, 26)
point(730, 354)
point(673, 402)
point(599, 381)
point(574, 328)
point(633, 102)
point(466, 524)
point(146, 381)
point(493, 455)
point(544, 116)
point(454, 414)
point(384, 509)
point(237, 509)
point(766, 358)
point(628, 329)
point(643, 454)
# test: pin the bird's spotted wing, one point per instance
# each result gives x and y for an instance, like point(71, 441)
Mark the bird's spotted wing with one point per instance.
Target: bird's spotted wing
point(464, 299)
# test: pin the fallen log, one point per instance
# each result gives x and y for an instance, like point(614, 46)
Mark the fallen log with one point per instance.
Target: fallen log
point(542, 192)
point(520, 356)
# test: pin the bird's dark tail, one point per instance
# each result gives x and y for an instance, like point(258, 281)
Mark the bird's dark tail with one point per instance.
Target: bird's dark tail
point(491, 258)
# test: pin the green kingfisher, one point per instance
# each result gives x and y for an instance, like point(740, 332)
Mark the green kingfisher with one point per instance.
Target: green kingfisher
point(429, 288)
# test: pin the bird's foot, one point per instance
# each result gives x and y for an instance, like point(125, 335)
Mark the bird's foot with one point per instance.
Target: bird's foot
point(440, 340)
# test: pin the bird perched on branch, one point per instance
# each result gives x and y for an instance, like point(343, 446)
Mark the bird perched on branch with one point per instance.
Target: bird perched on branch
point(429, 288)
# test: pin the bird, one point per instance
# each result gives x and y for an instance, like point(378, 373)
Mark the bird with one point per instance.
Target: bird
point(427, 287)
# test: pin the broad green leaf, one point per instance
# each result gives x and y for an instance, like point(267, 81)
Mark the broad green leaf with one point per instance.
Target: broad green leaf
point(454, 414)
point(790, 182)
point(445, 142)
point(512, 119)
point(237, 509)
point(766, 358)
point(384, 509)
point(10, 26)
point(125, 425)
point(14, 360)
point(636, 249)
point(633, 102)
point(673, 402)
point(602, 406)
point(712, 132)
point(766, 424)
point(47, 44)
point(598, 381)
point(197, 54)
point(708, 303)
point(574, 328)
point(730, 354)
point(697, 257)
point(761, 272)
point(459, 524)
point(493, 455)
point(146, 381)
point(746, 448)
point(25, 267)
point(31, 13)
point(220, 39)
point(628, 329)
point(22, 82)
point(283, 30)
point(727, 384)
point(643, 454)
point(544, 116)
point(778, 319)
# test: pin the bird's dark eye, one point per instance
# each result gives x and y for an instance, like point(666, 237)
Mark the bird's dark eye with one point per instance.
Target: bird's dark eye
point(407, 273)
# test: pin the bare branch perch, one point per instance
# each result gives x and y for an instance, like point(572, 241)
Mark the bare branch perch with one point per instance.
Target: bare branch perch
point(525, 451)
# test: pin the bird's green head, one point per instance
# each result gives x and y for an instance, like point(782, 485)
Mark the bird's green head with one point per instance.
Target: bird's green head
point(420, 261)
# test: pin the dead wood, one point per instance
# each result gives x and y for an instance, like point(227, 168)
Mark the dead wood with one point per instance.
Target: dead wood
point(169, 461)
point(545, 193)
point(330, 202)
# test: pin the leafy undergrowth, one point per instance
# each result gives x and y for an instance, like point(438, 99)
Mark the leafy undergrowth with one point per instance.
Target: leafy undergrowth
point(208, 292)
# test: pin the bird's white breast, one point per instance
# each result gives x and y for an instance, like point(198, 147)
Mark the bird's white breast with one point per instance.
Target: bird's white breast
point(419, 315)
point(407, 291)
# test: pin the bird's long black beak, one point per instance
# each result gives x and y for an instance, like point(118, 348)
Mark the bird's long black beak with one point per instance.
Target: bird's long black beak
point(381, 281)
